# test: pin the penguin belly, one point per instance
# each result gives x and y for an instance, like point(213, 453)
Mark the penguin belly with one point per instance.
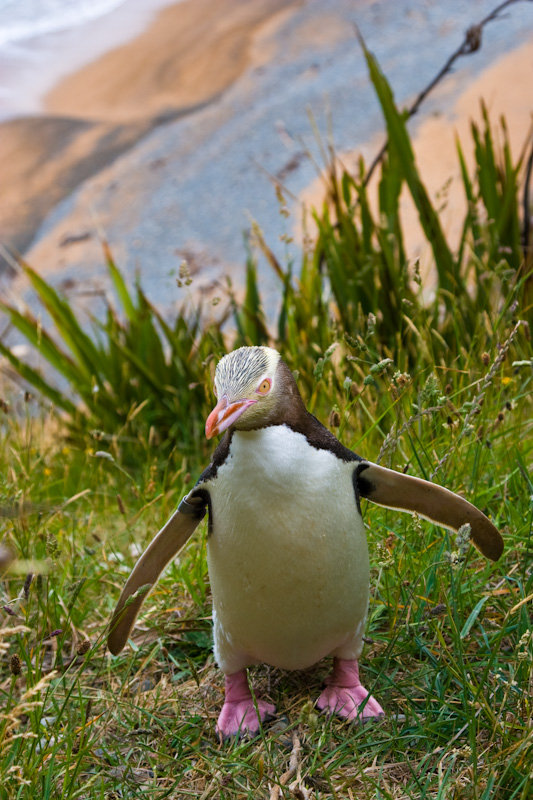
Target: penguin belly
point(287, 555)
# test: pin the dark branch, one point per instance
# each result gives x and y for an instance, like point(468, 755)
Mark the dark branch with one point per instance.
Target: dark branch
point(470, 44)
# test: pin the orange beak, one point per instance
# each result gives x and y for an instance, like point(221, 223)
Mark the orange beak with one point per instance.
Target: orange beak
point(225, 414)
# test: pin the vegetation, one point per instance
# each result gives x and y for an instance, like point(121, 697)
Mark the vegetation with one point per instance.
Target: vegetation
point(440, 386)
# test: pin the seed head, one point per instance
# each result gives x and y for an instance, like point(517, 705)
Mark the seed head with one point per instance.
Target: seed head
point(401, 379)
point(83, 647)
point(52, 546)
point(319, 369)
point(334, 418)
point(462, 539)
point(27, 584)
point(15, 664)
point(120, 504)
point(184, 275)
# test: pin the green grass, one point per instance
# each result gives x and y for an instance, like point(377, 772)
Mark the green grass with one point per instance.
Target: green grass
point(449, 656)
point(441, 387)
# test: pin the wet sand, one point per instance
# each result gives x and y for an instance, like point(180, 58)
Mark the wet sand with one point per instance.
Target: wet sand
point(190, 54)
point(186, 58)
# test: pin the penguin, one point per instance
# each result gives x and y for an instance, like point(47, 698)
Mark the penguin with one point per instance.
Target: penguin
point(286, 547)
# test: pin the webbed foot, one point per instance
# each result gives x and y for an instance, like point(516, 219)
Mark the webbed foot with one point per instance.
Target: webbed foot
point(345, 696)
point(239, 714)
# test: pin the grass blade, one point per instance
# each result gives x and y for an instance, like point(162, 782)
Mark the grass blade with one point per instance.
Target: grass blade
point(469, 624)
point(449, 277)
point(32, 376)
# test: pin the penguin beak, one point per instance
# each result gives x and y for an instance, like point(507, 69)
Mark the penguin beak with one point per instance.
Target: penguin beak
point(225, 414)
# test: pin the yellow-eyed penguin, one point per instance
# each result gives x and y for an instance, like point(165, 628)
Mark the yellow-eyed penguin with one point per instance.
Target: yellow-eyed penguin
point(287, 552)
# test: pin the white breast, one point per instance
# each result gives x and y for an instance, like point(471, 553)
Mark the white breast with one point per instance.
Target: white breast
point(288, 559)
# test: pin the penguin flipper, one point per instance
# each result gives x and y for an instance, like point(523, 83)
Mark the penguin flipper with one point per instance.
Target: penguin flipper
point(166, 544)
point(436, 504)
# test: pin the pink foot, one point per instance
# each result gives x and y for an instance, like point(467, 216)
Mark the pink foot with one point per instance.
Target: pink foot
point(238, 713)
point(344, 694)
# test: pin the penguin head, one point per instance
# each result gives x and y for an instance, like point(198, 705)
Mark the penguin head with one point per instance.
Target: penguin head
point(247, 389)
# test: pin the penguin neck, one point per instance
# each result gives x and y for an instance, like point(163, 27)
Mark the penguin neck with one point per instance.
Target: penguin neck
point(289, 410)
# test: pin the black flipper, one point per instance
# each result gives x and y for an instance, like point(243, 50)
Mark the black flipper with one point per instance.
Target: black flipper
point(405, 493)
point(168, 542)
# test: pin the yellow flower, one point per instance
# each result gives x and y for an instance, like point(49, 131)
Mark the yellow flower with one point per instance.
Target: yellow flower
point(506, 380)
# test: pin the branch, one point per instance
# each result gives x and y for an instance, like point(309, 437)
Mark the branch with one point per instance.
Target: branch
point(470, 44)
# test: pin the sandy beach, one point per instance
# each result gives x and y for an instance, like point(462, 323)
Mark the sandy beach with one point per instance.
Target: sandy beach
point(166, 142)
point(186, 58)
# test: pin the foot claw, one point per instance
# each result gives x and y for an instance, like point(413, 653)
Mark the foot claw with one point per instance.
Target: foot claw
point(237, 718)
point(239, 714)
point(349, 703)
point(346, 697)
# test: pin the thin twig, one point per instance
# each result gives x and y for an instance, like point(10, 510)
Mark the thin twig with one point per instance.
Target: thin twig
point(470, 44)
point(294, 764)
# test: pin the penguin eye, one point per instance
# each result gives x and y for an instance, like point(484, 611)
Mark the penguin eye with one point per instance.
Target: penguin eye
point(264, 386)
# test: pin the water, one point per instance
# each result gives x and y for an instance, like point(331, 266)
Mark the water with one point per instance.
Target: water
point(24, 19)
point(42, 41)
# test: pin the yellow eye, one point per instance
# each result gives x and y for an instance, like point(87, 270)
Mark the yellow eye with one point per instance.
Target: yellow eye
point(264, 386)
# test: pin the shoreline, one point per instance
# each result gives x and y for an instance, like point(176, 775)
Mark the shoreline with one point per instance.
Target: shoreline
point(195, 50)
point(192, 51)
point(61, 53)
